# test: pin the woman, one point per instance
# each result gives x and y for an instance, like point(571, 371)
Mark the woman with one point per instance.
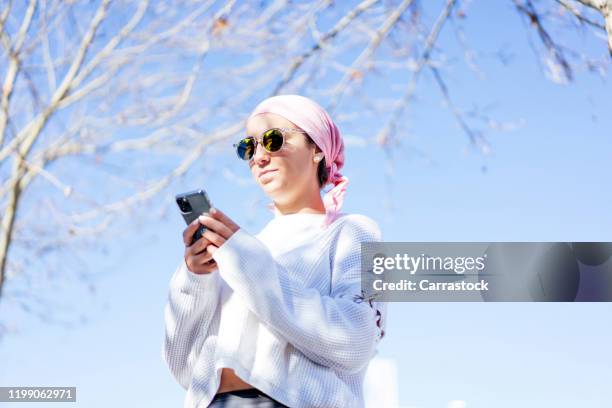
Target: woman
point(278, 319)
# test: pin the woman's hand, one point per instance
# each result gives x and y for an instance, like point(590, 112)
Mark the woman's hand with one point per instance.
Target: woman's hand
point(219, 228)
point(198, 254)
point(197, 258)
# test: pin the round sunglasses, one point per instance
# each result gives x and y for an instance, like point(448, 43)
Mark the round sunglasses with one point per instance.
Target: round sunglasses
point(272, 140)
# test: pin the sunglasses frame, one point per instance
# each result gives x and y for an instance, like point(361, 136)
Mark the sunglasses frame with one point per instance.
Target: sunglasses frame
point(260, 140)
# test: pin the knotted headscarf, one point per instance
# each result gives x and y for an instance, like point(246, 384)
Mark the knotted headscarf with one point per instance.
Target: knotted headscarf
point(314, 120)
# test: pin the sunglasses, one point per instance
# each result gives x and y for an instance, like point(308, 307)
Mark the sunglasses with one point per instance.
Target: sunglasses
point(272, 140)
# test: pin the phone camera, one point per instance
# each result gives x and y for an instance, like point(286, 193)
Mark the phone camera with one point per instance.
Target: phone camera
point(184, 205)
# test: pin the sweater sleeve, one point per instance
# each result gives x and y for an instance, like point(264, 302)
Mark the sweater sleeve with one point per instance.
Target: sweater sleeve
point(338, 330)
point(192, 301)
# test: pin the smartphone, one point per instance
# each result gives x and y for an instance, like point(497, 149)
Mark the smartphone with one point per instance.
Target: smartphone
point(192, 204)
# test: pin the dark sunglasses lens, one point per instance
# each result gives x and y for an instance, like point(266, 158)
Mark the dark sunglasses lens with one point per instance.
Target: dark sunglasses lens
point(273, 140)
point(246, 148)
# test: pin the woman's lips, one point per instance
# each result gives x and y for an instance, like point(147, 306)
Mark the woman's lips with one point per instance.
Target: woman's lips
point(263, 173)
point(267, 177)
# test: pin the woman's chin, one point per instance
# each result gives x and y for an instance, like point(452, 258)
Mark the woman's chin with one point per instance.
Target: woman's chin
point(270, 186)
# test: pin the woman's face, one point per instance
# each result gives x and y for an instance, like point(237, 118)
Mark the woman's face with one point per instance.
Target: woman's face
point(289, 171)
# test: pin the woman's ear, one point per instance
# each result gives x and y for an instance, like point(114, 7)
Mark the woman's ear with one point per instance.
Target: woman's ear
point(318, 157)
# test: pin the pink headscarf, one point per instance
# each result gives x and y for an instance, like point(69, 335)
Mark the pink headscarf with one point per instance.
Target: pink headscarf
point(314, 120)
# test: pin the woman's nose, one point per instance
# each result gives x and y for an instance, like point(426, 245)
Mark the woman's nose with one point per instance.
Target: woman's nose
point(260, 153)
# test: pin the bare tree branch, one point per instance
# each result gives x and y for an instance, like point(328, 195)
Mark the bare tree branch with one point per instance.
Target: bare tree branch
point(367, 53)
point(321, 42)
point(556, 52)
point(13, 68)
point(581, 17)
point(32, 131)
point(26, 138)
point(423, 60)
point(605, 8)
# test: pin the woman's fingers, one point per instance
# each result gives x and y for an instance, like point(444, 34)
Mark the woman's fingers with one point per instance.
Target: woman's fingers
point(203, 265)
point(201, 262)
point(216, 225)
point(203, 258)
point(220, 215)
point(212, 249)
point(189, 231)
point(198, 246)
point(214, 238)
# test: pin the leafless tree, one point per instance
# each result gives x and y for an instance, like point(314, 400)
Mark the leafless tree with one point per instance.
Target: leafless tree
point(117, 90)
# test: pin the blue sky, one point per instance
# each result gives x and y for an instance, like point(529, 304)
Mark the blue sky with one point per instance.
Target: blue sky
point(548, 180)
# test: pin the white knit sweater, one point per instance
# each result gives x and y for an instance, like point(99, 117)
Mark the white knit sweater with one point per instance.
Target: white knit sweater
point(283, 310)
